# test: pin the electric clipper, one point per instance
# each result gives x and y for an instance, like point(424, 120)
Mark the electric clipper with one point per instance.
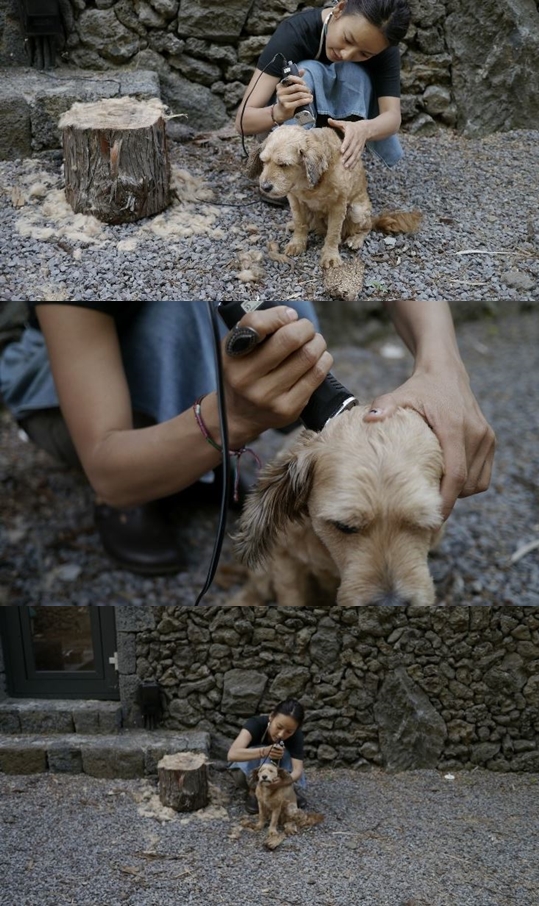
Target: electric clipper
point(302, 115)
point(329, 400)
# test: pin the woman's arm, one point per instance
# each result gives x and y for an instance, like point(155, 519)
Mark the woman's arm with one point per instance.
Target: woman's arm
point(255, 111)
point(297, 769)
point(126, 467)
point(240, 751)
point(439, 390)
point(356, 134)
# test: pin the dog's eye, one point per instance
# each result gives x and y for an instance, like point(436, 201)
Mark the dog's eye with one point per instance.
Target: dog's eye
point(345, 529)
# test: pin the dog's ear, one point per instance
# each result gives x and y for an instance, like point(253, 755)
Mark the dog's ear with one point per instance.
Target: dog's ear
point(253, 167)
point(253, 778)
point(315, 162)
point(279, 496)
point(284, 777)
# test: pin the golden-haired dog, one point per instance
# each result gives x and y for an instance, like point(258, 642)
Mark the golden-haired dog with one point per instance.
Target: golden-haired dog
point(277, 803)
point(348, 515)
point(325, 196)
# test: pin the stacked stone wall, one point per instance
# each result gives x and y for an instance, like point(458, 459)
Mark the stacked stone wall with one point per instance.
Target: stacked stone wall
point(470, 66)
point(445, 688)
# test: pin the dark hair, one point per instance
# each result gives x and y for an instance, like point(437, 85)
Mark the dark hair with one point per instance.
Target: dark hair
point(291, 708)
point(391, 17)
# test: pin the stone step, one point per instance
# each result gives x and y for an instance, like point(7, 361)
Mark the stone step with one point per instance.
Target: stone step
point(126, 754)
point(59, 716)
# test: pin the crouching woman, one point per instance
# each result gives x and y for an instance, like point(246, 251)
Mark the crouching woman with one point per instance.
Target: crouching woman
point(273, 737)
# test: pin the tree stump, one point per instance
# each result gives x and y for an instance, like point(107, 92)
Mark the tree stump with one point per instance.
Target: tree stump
point(183, 781)
point(116, 159)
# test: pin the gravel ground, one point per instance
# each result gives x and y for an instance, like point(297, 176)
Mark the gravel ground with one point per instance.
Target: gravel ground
point(479, 240)
point(50, 553)
point(414, 839)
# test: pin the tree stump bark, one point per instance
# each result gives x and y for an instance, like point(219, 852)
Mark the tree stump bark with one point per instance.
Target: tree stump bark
point(116, 159)
point(183, 781)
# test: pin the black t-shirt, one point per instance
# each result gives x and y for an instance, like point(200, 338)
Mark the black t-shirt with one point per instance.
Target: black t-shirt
point(258, 728)
point(298, 38)
point(122, 312)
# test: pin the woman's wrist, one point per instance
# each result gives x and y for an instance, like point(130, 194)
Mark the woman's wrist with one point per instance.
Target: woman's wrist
point(278, 116)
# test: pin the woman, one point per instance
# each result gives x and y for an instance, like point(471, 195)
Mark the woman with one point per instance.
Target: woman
point(349, 64)
point(273, 737)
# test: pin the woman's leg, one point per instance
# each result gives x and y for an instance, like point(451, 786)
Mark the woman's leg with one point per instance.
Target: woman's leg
point(344, 91)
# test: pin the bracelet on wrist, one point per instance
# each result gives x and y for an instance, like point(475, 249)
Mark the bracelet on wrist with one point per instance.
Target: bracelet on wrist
point(272, 111)
point(237, 454)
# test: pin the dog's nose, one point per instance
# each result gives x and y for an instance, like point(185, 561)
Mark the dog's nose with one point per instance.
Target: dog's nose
point(266, 186)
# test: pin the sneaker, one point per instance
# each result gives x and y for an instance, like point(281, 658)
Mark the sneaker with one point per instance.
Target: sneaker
point(240, 779)
point(140, 539)
point(251, 805)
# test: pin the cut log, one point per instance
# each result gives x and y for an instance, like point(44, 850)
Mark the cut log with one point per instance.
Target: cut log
point(183, 781)
point(116, 159)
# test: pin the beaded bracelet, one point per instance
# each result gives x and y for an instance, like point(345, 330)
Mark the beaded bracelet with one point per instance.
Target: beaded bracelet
point(237, 454)
point(273, 106)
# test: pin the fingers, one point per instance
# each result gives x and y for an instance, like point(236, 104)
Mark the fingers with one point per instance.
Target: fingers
point(381, 408)
point(468, 468)
point(268, 321)
point(294, 93)
point(337, 124)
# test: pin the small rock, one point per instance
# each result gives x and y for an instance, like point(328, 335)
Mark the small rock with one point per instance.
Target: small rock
point(518, 280)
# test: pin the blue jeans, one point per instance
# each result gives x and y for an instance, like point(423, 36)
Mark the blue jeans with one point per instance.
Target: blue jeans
point(345, 89)
point(248, 766)
point(167, 352)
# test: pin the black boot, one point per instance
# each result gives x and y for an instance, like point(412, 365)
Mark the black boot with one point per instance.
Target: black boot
point(251, 804)
point(140, 539)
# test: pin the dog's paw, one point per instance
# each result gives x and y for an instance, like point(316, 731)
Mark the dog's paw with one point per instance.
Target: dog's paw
point(295, 248)
point(274, 840)
point(356, 241)
point(330, 258)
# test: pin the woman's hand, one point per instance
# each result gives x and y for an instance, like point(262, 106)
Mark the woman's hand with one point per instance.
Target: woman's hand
point(445, 400)
point(276, 752)
point(269, 387)
point(290, 96)
point(355, 137)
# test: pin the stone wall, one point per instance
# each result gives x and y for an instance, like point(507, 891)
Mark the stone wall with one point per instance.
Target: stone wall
point(467, 65)
point(398, 688)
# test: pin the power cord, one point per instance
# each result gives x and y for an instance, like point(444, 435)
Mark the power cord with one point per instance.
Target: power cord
point(246, 153)
point(227, 474)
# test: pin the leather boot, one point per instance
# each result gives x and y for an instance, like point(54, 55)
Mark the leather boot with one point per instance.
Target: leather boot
point(140, 539)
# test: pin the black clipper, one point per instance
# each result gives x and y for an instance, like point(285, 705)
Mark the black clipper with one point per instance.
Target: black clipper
point(329, 400)
point(302, 115)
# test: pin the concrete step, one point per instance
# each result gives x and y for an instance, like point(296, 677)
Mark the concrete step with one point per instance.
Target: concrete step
point(125, 754)
point(59, 716)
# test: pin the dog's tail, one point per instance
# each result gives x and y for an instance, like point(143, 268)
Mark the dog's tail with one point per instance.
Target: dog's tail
point(308, 819)
point(397, 221)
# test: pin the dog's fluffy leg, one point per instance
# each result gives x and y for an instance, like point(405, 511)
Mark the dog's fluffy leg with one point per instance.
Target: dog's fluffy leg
point(330, 252)
point(357, 225)
point(298, 243)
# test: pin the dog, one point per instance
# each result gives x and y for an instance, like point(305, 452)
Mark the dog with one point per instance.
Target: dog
point(306, 166)
point(277, 803)
point(345, 516)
